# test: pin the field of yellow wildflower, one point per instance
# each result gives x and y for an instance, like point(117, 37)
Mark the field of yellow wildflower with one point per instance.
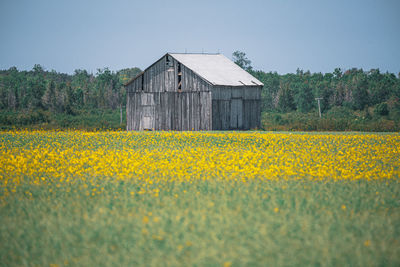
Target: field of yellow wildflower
point(73, 198)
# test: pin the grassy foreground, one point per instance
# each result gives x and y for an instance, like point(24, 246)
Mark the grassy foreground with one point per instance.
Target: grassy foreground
point(204, 199)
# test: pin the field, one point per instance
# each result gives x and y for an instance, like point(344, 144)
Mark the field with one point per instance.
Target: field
point(74, 198)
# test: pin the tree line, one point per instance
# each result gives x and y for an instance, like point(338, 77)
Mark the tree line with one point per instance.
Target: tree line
point(371, 93)
point(63, 93)
point(354, 89)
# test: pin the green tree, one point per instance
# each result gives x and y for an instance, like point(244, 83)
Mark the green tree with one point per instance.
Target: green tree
point(37, 87)
point(81, 82)
point(241, 60)
point(304, 98)
point(360, 93)
point(286, 102)
point(49, 97)
point(69, 99)
point(269, 93)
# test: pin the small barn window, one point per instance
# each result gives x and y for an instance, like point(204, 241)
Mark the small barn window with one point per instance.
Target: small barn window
point(142, 82)
point(179, 77)
point(169, 64)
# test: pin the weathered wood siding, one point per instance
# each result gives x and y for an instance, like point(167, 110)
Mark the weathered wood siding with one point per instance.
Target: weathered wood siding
point(169, 111)
point(236, 107)
point(154, 101)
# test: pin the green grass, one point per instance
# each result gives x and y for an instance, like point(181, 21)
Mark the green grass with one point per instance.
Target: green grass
point(199, 223)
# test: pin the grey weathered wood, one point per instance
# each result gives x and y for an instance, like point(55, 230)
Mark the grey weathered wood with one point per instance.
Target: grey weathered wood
point(246, 114)
point(225, 112)
point(189, 110)
point(216, 118)
point(197, 107)
point(237, 92)
point(236, 118)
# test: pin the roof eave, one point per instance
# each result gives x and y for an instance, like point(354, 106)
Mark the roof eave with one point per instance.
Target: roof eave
point(240, 85)
point(133, 79)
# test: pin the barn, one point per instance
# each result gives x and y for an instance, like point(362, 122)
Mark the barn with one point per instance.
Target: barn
point(186, 92)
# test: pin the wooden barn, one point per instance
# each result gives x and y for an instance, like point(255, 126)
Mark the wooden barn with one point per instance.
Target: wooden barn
point(187, 92)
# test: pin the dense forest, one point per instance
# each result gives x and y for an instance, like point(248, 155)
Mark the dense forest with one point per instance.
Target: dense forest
point(351, 99)
point(57, 100)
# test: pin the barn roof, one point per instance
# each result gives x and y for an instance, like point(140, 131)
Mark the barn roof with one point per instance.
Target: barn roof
point(216, 69)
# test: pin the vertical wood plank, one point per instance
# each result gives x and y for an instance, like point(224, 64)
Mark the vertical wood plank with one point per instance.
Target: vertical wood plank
point(216, 122)
point(259, 114)
point(196, 106)
point(247, 114)
point(209, 111)
point(202, 112)
point(174, 108)
point(191, 111)
point(225, 112)
point(128, 106)
point(183, 110)
point(205, 100)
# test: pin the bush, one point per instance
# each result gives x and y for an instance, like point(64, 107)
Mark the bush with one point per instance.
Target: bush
point(83, 119)
point(382, 109)
point(5, 119)
point(340, 112)
point(336, 119)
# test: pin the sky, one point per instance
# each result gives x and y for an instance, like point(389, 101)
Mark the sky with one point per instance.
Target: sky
point(280, 35)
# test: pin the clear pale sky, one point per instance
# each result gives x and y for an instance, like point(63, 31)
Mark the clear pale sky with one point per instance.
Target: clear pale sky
point(279, 35)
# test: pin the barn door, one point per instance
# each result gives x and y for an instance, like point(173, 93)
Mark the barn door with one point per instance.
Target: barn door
point(236, 114)
point(147, 123)
point(148, 110)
